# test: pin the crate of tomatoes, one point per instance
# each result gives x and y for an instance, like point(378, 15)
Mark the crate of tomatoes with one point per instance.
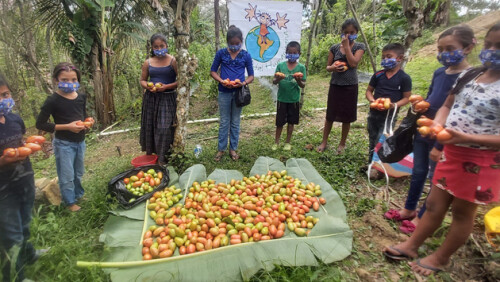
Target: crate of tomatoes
point(138, 184)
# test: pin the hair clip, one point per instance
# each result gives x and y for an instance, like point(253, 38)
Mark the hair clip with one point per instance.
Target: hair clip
point(474, 40)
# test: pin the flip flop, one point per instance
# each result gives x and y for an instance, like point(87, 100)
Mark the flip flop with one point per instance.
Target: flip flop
point(393, 214)
point(407, 227)
point(320, 150)
point(432, 268)
point(402, 255)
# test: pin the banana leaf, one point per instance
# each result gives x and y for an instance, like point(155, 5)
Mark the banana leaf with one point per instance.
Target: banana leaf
point(330, 240)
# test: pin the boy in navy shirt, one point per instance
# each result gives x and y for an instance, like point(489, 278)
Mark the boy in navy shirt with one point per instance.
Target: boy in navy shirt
point(391, 82)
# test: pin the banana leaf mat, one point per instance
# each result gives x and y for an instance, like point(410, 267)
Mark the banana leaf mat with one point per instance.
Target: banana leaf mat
point(330, 240)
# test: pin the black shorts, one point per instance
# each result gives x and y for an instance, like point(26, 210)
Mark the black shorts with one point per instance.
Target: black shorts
point(287, 113)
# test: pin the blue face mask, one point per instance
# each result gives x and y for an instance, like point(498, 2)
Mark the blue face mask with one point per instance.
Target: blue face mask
point(69, 87)
point(292, 58)
point(234, 48)
point(351, 37)
point(161, 52)
point(389, 63)
point(451, 58)
point(6, 106)
point(490, 58)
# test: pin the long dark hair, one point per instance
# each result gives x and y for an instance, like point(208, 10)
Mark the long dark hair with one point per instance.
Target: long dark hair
point(473, 73)
point(349, 22)
point(65, 66)
point(462, 33)
point(233, 32)
point(3, 81)
point(155, 37)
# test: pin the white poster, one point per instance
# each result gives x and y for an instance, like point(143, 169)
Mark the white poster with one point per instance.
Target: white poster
point(267, 26)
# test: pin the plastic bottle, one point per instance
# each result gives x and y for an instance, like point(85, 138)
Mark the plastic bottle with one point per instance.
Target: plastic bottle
point(197, 150)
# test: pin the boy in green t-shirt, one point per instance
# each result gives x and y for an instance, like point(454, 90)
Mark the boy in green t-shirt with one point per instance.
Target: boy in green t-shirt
point(291, 76)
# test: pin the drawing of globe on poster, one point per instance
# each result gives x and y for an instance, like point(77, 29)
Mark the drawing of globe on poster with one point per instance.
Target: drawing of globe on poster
point(260, 49)
point(267, 28)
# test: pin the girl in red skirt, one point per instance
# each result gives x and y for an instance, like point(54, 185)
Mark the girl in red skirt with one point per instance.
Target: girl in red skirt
point(469, 171)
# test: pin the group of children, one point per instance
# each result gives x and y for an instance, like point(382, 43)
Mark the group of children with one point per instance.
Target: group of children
point(466, 100)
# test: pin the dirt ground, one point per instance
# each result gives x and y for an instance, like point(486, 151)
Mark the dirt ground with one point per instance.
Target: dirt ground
point(479, 25)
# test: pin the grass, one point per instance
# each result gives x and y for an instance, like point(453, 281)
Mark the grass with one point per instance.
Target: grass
point(75, 236)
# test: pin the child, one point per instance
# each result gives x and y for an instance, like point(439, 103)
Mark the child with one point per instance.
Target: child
point(454, 45)
point(468, 174)
point(393, 83)
point(159, 102)
point(17, 192)
point(67, 108)
point(288, 93)
point(233, 61)
point(342, 105)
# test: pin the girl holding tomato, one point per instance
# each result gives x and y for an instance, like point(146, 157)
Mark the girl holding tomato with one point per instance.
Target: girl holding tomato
point(468, 173)
point(68, 108)
point(343, 60)
point(159, 102)
point(17, 192)
point(232, 61)
point(454, 45)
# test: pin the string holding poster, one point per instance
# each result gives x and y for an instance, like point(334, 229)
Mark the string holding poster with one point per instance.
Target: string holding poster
point(267, 27)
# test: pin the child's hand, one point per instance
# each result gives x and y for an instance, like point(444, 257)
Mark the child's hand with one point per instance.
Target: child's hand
point(345, 42)
point(456, 137)
point(5, 160)
point(435, 155)
point(74, 127)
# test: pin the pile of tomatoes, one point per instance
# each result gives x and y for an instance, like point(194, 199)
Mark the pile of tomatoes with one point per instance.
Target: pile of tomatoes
point(88, 122)
point(257, 208)
point(337, 64)
point(32, 145)
point(227, 82)
point(155, 86)
point(143, 182)
point(427, 127)
point(419, 104)
point(381, 104)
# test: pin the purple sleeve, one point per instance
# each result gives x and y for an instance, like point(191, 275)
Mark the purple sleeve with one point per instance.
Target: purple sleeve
point(438, 146)
point(249, 64)
point(216, 62)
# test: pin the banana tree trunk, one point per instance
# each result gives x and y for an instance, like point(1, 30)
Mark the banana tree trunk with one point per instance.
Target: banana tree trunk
point(187, 64)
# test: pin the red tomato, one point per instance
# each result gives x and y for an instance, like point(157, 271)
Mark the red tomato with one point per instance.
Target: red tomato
point(24, 151)
point(33, 146)
point(140, 174)
point(10, 153)
point(152, 182)
point(35, 139)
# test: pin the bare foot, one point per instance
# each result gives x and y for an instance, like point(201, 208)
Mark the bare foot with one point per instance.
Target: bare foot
point(415, 221)
point(401, 249)
point(429, 265)
point(321, 148)
point(74, 208)
point(340, 149)
point(407, 214)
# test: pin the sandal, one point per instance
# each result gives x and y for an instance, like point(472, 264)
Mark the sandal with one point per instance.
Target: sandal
point(393, 214)
point(407, 227)
point(434, 270)
point(402, 255)
point(218, 156)
point(234, 156)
